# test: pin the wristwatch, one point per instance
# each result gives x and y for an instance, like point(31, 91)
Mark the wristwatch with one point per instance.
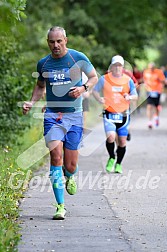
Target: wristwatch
point(86, 87)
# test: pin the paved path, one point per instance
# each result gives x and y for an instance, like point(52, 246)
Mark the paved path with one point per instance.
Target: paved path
point(110, 212)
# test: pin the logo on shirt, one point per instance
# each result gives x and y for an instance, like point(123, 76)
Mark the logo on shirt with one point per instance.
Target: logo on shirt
point(117, 89)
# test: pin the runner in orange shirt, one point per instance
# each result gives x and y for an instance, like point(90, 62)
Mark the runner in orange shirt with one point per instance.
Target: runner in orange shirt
point(153, 80)
point(117, 90)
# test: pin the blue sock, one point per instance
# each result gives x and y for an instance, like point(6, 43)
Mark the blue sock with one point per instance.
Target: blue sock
point(57, 183)
point(68, 174)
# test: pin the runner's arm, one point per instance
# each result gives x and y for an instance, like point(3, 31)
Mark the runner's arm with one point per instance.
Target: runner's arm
point(38, 93)
point(98, 97)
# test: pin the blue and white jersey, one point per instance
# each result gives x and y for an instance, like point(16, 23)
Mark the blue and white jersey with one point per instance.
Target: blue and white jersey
point(60, 74)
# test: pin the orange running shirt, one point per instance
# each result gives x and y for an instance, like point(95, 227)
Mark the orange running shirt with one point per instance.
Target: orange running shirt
point(153, 80)
point(114, 90)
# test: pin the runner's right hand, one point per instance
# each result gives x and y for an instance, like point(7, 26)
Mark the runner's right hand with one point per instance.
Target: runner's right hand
point(26, 107)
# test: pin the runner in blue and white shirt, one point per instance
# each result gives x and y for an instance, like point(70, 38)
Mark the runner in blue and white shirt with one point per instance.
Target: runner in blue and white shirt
point(61, 74)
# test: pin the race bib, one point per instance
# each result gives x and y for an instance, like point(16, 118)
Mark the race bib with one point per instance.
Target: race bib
point(115, 118)
point(153, 94)
point(59, 77)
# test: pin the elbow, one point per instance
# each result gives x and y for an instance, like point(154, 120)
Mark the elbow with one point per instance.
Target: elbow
point(95, 80)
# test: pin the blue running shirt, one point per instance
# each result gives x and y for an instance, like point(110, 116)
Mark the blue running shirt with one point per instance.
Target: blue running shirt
point(60, 75)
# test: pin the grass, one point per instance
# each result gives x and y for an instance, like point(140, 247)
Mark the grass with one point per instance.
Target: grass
point(9, 201)
point(13, 183)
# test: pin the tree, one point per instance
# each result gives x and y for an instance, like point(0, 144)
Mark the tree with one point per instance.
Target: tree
point(11, 12)
point(127, 26)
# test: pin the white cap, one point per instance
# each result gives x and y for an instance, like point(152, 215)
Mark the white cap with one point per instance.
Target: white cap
point(117, 59)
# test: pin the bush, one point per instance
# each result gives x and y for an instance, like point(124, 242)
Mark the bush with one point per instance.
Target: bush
point(14, 88)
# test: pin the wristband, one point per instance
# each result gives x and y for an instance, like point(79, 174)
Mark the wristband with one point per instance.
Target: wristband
point(86, 87)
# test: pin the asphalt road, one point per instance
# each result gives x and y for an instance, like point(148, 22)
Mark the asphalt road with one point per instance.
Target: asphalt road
point(110, 212)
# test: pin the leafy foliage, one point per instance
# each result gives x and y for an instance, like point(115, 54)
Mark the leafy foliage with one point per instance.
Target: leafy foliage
point(11, 12)
point(13, 77)
point(129, 24)
point(126, 26)
point(13, 90)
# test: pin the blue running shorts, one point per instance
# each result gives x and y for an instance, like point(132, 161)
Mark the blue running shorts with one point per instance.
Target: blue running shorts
point(66, 127)
point(121, 128)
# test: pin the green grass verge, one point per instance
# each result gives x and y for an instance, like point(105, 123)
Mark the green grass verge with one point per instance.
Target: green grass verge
point(13, 183)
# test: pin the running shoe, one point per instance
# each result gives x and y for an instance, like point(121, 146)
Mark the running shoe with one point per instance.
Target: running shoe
point(150, 126)
point(118, 168)
point(110, 165)
point(60, 212)
point(156, 121)
point(128, 137)
point(71, 185)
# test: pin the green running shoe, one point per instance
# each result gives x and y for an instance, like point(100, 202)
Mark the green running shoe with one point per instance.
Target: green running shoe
point(60, 212)
point(110, 165)
point(118, 168)
point(71, 185)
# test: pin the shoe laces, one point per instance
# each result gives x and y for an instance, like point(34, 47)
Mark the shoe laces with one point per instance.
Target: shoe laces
point(58, 206)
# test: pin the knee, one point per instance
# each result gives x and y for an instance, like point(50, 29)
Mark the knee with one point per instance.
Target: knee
point(56, 159)
point(111, 138)
point(71, 167)
point(122, 142)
